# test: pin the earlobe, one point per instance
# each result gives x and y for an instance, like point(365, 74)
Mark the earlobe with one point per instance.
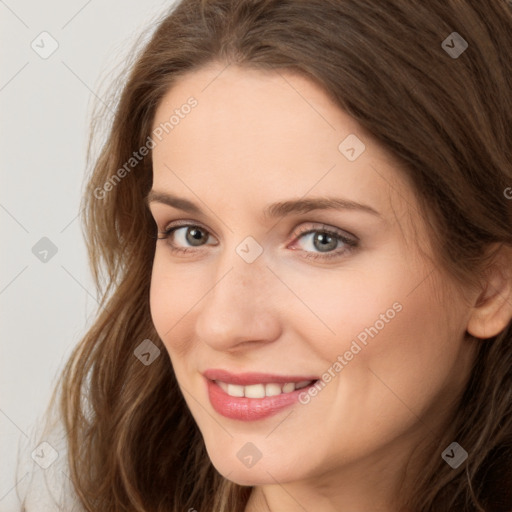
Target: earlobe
point(492, 311)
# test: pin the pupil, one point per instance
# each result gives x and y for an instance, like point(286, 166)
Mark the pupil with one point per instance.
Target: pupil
point(327, 242)
point(194, 235)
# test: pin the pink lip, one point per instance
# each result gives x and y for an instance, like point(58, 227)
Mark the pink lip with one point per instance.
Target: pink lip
point(250, 409)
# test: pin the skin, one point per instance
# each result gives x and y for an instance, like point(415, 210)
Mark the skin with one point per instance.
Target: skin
point(255, 138)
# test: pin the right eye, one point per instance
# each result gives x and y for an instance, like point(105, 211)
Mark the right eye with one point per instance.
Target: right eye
point(184, 237)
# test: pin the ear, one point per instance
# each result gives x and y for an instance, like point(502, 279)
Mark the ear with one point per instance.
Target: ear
point(492, 310)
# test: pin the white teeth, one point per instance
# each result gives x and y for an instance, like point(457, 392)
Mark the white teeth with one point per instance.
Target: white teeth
point(288, 387)
point(272, 389)
point(222, 386)
point(261, 390)
point(235, 390)
point(254, 391)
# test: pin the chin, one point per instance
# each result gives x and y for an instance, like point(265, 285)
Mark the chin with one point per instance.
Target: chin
point(247, 477)
point(260, 473)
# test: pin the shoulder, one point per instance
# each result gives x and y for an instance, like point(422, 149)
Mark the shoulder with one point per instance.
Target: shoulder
point(42, 473)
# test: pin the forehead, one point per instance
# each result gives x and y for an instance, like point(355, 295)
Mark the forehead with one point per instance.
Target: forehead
point(268, 136)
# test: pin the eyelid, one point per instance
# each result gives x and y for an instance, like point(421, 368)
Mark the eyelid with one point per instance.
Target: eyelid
point(186, 223)
point(322, 227)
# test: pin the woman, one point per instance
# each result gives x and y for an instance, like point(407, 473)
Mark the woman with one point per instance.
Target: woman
point(301, 226)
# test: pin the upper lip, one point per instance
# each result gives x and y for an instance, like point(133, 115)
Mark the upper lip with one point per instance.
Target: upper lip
point(248, 378)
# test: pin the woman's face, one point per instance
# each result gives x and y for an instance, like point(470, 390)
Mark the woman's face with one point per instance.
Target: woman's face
point(257, 292)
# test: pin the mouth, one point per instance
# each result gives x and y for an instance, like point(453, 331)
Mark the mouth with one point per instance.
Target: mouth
point(253, 396)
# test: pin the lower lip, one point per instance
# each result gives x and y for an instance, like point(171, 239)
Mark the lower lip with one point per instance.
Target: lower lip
point(250, 409)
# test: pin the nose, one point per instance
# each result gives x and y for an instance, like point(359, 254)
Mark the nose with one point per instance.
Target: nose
point(241, 310)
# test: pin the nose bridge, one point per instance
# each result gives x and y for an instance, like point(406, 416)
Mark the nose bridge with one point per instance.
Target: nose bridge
point(242, 274)
point(240, 305)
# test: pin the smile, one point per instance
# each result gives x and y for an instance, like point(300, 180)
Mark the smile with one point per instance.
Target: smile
point(262, 390)
point(253, 396)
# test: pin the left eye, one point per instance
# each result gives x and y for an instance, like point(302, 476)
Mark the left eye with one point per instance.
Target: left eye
point(323, 240)
point(317, 243)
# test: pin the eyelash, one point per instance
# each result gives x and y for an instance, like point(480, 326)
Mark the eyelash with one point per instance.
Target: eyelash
point(350, 243)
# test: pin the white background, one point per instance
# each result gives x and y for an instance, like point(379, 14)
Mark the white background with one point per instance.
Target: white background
point(45, 107)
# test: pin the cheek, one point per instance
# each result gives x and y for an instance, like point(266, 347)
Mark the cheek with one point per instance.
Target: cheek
point(391, 333)
point(174, 292)
point(357, 302)
point(386, 378)
point(407, 357)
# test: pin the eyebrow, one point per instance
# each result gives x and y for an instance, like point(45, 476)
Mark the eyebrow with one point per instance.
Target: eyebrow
point(272, 211)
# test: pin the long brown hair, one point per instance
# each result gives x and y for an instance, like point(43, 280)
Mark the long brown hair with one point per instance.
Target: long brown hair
point(133, 444)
